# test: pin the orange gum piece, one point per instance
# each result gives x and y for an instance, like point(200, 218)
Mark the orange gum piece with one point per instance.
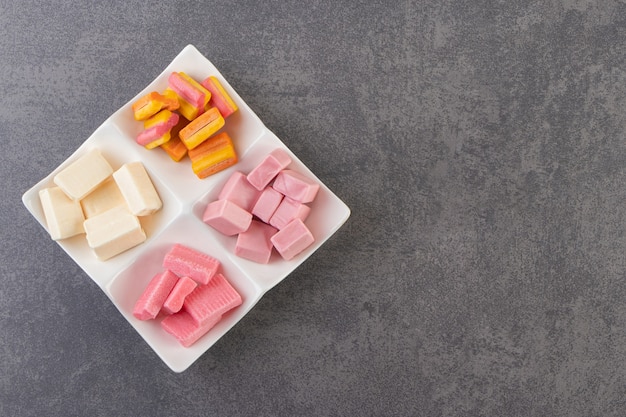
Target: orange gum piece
point(150, 104)
point(201, 128)
point(175, 148)
point(213, 155)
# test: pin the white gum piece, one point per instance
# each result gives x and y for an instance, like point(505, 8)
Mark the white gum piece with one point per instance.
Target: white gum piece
point(104, 197)
point(64, 217)
point(113, 232)
point(83, 175)
point(137, 188)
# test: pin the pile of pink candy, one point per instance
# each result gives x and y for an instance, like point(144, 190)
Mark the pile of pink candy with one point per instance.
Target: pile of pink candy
point(266, 209)
point(190, 293)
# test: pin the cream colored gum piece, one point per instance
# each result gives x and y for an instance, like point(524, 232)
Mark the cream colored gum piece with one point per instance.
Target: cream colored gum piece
point(64, 216)
point(113, 232)
point(137, 189)
point(104, 197)
point(83, 175)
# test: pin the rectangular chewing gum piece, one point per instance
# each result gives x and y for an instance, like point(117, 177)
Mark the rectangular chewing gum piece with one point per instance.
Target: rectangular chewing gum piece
point(266, 204)
point(287, 211)
point(184, 328)
point(187, 262)
point(219, 97)
point(106, 196)
point(201, 128)
point(189, 89)
point(113, 232)
point(186, 109)
point(64, 217)
point(83, 175)
point(137, 189)
point(154, 296)
point(226, 217)
point(255, 244)
point(174, 301)
point(212, 300)
point(174, 147)
point(272, 164)
point(238, 190)
point(150, 104)
point(157, 129)
point(213, 155)
point(292, 239)
point(295, 185)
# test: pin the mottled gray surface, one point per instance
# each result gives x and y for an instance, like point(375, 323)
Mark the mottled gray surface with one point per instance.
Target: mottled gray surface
point(479, 144)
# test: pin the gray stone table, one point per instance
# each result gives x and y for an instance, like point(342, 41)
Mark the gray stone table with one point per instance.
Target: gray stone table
point(481, 148)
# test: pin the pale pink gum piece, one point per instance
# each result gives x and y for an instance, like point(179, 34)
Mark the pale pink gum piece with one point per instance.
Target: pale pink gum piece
point(267, 203)
point(266, 171)
point(295, 185)
point(212, 300)
point(174, 302)
point(155, 132)
point(239, 191)
point(187, 262)
point(226, 217)
point(152, 299)
point(292, 239)
point(255, 243)
point(184, 328)
point(287, 211)
point(187, 91)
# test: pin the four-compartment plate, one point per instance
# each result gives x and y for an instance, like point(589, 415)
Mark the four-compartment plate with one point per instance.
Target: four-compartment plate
point(184, 197)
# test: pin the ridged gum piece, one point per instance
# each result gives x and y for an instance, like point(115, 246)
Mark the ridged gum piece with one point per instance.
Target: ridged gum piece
point(201, 128)
point(174, 147)
point(174, 301)
point(212, 300)
point(154, 295)
point(183, 327)
point(213, 155)
point(219, 97)
point(187, 262)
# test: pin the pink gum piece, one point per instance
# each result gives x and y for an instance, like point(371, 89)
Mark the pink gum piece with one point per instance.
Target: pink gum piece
point(226, 217)
point(239, 191)
point(295, 185)
point(266, 204)
point(185, 90)
point(184, 328)
point(255, 243)
point(152, 299)
point(187, 262)
point(155, 132)
point(292, 239)
point(182, 289)
point(212, 300)
point(266, 171)
point(287, 211)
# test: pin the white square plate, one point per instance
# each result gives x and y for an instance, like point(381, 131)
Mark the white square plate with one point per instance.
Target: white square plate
point(184, 197)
